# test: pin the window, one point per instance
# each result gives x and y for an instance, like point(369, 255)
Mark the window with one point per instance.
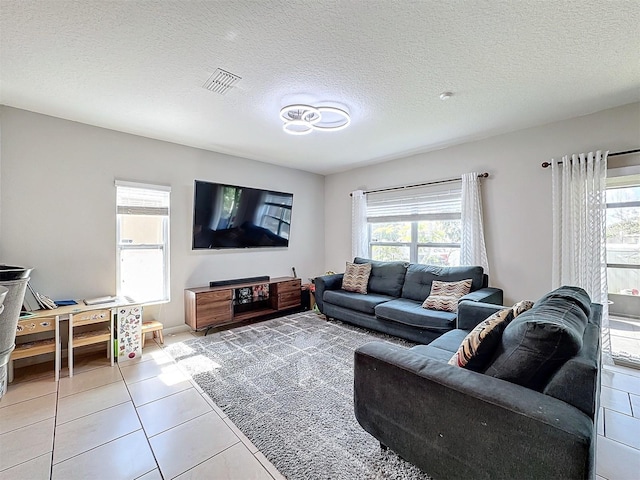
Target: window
point(142, 239)
point(420, 225)
point(623, 239)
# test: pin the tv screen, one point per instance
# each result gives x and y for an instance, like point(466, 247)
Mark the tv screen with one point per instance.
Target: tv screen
point(230, 216)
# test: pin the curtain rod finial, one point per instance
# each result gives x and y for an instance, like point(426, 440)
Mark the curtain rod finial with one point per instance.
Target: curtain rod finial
point(545, 164)
point(483, 175)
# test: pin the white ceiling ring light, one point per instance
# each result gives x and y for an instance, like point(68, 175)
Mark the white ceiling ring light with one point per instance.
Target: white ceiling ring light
point(303, 119)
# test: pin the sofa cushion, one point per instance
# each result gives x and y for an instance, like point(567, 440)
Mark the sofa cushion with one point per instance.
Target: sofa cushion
point(445, 295)
point(450, 341)
point(411, 313)
point(417, 282)
point(356, 277)
point(538, 342)
point(572, 294)
point(386, 278)
point(442, 347)
point(355, 301)
point(581, 370)
point(480, 344)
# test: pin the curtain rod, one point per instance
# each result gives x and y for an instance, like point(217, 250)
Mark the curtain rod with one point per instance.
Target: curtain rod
point(449, 180)
point(615, 154)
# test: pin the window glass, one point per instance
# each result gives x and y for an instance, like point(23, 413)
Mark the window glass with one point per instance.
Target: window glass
point(141, 229)
point(391, 232)
point(623, 194)
point(142, 274)
point(446, 256)
point(623, 238)
point(439, 231)
point(389, 253)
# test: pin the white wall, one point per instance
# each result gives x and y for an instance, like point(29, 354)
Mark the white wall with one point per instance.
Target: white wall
point(516, 196)
point(57, 204)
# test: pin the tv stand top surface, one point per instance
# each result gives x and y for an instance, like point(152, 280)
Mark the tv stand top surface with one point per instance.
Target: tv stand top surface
point(240, 285)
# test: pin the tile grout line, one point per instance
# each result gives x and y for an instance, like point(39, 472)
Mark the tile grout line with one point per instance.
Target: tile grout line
point(155, 459)
point(55, 426)
point(32, 423)
point(92, 388)
point(92, 448)
point(207, 459)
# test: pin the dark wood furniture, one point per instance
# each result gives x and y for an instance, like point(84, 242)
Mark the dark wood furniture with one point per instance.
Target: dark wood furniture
point(210, 307)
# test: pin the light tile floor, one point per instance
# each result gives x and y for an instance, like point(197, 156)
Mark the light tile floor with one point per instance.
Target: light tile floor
point(141, 420)
point(147, 420)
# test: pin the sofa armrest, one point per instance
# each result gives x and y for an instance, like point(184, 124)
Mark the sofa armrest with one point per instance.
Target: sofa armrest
point(455, 423)
point(484, 295)
point(471, 313)
point(326, 282)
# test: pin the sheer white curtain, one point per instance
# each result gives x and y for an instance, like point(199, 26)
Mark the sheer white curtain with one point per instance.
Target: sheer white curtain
point(359, 234)
point(579, 228)
point(472, 248)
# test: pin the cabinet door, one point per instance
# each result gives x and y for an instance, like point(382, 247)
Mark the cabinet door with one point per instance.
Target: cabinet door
point(213, 308)
point(289, 299)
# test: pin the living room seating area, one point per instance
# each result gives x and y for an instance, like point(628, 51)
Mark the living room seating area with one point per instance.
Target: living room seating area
point(392, 297)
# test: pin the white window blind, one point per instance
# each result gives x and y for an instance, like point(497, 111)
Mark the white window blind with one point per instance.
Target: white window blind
point(142, 201)
point(420, 203)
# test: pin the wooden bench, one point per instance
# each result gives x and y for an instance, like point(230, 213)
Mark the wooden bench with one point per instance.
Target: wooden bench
point(152, 326)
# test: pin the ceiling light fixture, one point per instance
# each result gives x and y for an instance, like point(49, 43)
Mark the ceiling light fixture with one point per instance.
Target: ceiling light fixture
point(304, 119)
point(446, 95)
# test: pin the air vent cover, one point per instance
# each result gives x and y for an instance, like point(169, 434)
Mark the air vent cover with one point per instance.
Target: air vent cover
point(221, 81)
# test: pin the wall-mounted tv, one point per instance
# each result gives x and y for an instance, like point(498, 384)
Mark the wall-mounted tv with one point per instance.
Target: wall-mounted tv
point(231, 216)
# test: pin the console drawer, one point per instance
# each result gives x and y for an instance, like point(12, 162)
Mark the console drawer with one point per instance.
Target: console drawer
point(216, 296)
point(29, 326)
point(290, 286)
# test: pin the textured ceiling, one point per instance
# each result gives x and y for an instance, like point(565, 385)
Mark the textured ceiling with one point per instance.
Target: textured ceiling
point(138, 66)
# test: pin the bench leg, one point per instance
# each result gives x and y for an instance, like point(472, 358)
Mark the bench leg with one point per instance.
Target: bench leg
point(161, 336)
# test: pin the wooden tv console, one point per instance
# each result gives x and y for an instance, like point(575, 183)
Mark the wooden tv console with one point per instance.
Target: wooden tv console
point(210, 307)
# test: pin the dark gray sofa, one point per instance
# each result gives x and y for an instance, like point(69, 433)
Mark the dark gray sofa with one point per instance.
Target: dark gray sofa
point(456, 423)
point(393, 303)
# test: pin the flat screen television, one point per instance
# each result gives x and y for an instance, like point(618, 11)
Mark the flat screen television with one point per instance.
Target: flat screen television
point(231, 216)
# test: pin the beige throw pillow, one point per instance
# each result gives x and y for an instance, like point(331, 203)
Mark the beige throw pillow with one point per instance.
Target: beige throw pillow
point(445, 295)
point(356, 277)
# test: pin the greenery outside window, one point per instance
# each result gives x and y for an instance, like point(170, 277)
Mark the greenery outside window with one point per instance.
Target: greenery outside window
point(623, 244)
point(142, 242)
point(422, 226)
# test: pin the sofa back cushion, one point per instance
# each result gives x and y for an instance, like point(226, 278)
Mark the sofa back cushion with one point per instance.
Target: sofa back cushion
point(386, 278)
point(417, 283)
point(577, 381)
point(537, 343)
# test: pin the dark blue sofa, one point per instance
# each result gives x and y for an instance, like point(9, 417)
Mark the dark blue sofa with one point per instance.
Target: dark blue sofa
point(393, 303)
point(530, 413)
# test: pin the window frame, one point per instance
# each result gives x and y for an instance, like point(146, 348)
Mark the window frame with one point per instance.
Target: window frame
point(413, 245)
point(164, 246)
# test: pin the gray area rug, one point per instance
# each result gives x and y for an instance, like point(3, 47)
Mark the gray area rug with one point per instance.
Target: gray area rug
point(287, 384)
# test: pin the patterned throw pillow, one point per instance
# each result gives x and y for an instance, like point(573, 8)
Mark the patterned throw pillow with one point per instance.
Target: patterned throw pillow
point(445, 295)
point(477, 349)
point(356, 277)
